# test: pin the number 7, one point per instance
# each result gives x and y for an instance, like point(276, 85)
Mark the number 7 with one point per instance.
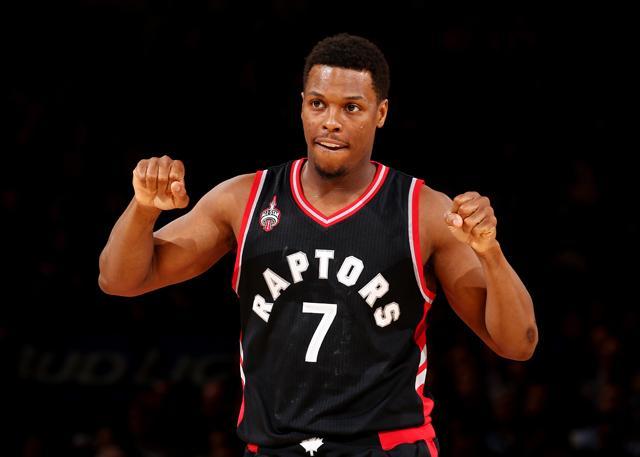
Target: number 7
point(329, 310)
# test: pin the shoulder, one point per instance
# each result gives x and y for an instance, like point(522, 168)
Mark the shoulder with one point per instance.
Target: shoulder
point(230, 196)
point(431, 199)
point(232, 188)
point(433, 229)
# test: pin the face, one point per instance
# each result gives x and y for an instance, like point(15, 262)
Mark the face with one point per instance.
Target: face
point(340, 114)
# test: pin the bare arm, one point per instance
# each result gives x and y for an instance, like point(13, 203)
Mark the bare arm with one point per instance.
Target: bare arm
point(136, 260)
point(127, 258)
point(478, 281)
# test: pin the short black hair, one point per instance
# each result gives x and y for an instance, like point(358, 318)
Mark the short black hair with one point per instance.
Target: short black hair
point(354, 53)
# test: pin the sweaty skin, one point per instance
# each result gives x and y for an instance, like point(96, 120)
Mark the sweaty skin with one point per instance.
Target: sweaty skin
point(340, 115)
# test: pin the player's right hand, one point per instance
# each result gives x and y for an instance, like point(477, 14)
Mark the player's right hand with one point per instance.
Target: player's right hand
point(159, 183)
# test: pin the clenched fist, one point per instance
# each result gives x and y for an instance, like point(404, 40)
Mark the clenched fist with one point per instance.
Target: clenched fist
point(471, 220)
point(159, 183)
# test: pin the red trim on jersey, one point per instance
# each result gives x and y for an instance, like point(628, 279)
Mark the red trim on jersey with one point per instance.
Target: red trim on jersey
point(326, 221)
point(248, 209)
point(433, 449)
point(392, 438)
point(420, 337)
point(252, 447)
point(241, 412)
point(415, 221)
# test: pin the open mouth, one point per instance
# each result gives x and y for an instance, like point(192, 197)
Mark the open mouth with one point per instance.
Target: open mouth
point(331, 145)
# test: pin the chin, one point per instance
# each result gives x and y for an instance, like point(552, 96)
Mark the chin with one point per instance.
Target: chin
point(331, 173)
point(330, 165)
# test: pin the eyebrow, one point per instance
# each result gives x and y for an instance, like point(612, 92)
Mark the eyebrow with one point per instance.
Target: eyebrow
point(350, 97)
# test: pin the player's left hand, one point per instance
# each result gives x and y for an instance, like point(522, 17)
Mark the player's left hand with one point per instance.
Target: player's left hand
point(472, 221)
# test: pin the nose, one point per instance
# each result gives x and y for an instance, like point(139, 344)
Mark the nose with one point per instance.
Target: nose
point(331, 121)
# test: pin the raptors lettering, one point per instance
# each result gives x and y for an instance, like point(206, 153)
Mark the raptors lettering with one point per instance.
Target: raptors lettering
point(348, 274)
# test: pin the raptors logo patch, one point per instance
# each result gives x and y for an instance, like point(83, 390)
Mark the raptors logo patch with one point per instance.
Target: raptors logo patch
point(270, 217)
point(311, 445)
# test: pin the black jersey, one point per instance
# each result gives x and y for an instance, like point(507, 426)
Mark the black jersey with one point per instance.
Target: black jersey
point(333, 313)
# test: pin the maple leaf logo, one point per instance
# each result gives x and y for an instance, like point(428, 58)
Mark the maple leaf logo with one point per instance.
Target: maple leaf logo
point(311, 445)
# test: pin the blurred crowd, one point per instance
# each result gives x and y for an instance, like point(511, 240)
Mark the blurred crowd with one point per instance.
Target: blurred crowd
point(73, 139)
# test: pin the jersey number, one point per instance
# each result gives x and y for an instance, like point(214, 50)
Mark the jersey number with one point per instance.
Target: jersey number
point(328, 310)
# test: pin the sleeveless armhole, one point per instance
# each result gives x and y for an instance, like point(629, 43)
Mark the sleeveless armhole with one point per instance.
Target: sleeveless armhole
point(414, 239)
point(256, 187)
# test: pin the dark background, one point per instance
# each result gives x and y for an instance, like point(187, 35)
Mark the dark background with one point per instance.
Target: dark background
point(527, 106)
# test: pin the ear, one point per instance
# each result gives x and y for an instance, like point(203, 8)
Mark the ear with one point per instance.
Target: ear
point(383, 108)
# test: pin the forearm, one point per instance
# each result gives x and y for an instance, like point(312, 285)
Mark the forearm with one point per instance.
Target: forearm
point(509, 314)
point(127, 259)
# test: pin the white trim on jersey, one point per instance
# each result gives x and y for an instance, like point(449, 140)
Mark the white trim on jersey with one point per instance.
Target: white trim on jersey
point(241, 361)
point(364, 198)
point(422, 374)
point(423, 356)
point(413, 248)
point(246, 228)
point(421, 378)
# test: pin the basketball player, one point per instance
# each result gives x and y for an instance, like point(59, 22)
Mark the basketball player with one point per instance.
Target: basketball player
point(336, 261)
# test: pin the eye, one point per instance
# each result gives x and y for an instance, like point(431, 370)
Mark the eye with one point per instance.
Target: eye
point(315, 103)
point(352, 108)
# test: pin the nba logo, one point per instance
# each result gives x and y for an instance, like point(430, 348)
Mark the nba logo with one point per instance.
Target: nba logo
point(270, 217)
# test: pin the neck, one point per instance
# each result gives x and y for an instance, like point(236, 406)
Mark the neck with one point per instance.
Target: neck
point(354, 180)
